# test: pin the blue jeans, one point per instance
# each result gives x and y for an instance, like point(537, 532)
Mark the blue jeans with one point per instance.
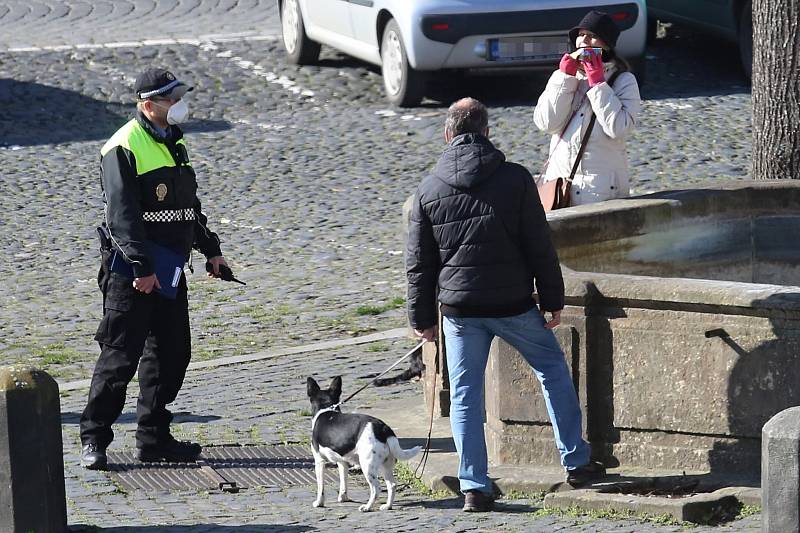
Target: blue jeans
point(467, 341)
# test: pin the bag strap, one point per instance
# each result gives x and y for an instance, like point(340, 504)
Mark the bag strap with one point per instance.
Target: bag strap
point(582, 149)
point(589, 129)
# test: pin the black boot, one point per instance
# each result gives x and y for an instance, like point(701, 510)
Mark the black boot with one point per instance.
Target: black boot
point(170, 450)
point(93, 457)
point(582, 475)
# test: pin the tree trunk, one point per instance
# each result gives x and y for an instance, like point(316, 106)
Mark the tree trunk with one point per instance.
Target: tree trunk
point(776, 89)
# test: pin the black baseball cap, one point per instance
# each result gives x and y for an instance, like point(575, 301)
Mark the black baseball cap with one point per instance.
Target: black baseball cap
point(159, 82)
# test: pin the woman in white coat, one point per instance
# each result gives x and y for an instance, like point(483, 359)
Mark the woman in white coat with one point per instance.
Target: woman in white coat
point(578, 89)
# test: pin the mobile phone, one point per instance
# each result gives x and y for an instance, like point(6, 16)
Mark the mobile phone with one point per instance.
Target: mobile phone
point(591, 51)
point(587, 52)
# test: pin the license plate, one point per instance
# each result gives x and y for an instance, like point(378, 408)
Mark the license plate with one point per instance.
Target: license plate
point(526, 48)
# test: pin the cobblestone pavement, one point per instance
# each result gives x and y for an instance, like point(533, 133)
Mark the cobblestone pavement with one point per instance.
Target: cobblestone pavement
point(67, 22)
point(302, 171)
point(264, 403)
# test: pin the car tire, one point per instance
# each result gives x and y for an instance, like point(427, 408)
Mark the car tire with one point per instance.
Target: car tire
point(299, 48)
point(403, 85)
point(639, 69)
point(746, 38)
point(652, 31)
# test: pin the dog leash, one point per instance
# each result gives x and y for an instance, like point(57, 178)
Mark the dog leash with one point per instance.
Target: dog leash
point(423, 461)
point(414, 349)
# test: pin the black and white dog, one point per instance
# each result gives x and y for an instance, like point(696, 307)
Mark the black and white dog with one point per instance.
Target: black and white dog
point(348, 439)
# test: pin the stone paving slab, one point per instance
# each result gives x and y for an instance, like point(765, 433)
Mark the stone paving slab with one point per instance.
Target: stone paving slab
point(696, 509)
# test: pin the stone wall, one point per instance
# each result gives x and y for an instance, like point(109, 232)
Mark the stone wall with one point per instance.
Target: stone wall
point(677, 374)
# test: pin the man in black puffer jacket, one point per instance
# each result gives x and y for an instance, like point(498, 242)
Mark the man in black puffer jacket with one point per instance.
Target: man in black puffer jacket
point(478, 235)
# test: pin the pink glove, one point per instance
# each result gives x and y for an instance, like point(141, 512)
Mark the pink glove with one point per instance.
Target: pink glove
point(593, 66)
point(569, 65)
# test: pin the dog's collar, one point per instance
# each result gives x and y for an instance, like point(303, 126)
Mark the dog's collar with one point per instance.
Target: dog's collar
point(334, 407)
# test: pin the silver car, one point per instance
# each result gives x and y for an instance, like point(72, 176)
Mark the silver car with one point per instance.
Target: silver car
point(412, 38)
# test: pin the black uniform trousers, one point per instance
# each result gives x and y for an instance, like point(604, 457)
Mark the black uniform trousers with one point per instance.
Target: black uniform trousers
point(145, 330)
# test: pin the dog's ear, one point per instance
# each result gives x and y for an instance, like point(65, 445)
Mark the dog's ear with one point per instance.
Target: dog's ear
point(336, 386)
point(312, 389)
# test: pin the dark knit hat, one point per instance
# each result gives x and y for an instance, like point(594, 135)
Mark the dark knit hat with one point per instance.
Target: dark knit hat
point(600, 24)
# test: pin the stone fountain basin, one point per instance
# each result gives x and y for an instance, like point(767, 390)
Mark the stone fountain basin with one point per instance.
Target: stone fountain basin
point(745, 232)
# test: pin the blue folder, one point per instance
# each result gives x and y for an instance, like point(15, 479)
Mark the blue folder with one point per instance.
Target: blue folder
point(167, 266)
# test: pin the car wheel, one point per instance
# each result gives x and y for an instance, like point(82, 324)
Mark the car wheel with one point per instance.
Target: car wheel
point(639, 69)
point(300, 49)
point(746, 38)
point(652, 31)
point(404, 86)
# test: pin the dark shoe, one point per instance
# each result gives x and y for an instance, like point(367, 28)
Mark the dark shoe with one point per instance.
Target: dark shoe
point(171, 450)
point(586, 473)
point(476, 501)
point(93, 457)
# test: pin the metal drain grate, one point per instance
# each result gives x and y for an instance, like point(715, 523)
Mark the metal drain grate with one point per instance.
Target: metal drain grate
point(246, 466)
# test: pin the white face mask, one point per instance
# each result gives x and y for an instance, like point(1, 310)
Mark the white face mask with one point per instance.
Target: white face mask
point(177, 112)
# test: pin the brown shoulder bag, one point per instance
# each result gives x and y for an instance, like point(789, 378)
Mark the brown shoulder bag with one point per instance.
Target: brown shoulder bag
point(554, 194)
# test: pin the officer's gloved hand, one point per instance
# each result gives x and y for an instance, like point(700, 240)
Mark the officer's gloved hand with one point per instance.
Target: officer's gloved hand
point(225, 273)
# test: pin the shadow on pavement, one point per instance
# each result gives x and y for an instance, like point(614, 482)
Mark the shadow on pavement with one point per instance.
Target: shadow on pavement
point(496, 90)
point(130, 418)
point(204, 126)
point(457, 503)
point(341, 61)
point(685, 63)
point(36, 114)
point(198, 528)
point(438, 444)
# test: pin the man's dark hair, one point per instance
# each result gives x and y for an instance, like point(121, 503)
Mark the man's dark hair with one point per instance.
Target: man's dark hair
point(467, 116)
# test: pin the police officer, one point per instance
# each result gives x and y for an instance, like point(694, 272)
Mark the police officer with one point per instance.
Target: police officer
point(149, 189)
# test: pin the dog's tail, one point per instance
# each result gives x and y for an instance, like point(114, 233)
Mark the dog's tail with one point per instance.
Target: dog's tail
point(400, 453)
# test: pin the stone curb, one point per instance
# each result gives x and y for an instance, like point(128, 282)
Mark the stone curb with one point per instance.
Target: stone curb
point(270, 354)
point(698, 509)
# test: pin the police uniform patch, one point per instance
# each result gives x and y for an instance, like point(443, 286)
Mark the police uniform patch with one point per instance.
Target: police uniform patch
point(161, 191)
